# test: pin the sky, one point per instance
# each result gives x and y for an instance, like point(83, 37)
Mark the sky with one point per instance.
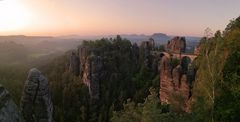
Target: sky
point(110, 17)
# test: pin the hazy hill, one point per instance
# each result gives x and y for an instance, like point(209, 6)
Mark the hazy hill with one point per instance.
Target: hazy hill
point(28, 48)
point(11, 52)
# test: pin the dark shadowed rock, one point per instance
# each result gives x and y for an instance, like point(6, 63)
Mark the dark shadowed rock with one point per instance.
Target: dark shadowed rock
point(83, 53)
point(191, 73)
point(148, 46)
point(74, 64)
point(185, 61)
point(92, 75)
point(36, 103)
point(135, 53)
point(9, 111)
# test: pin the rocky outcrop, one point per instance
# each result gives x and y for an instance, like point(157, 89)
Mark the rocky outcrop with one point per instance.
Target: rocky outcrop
point(148, 47)
point(147, 52)
point(9, 111)
point(36, 103)
point(135, 54)
point(92, 75)
point(155, 61)
point(177, 45)
point(74, 64)
point(83, 53)
point(176, 77)
point(166, 81)
point(176, 81)
point(91, 66)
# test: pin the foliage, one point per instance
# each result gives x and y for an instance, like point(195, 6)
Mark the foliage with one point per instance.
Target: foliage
point(216, 89)
point(149, 111)
point(123, 79)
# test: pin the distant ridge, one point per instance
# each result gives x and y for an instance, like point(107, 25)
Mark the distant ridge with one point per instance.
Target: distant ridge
point(24, 36)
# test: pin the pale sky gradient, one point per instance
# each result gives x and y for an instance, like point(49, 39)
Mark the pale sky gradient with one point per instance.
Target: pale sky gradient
point(104, 17)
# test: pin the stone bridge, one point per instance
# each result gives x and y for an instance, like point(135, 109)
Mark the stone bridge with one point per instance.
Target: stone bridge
point(191, 56)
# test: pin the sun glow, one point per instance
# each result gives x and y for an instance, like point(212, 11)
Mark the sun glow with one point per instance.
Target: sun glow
point(13, 15)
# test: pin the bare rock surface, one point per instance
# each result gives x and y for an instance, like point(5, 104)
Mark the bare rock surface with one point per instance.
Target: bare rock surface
point(36, 103)
point(177, 45)
point(9, 111)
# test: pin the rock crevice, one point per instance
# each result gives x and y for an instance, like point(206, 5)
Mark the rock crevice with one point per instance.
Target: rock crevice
point(36, 103)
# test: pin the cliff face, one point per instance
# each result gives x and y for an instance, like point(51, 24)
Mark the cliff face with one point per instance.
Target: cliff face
point(91, 67)
point(36, 103)
point(9, 111)
point(151, 57)
point(166, 81)
point(92, 75)
point(176, 81)
point(148, 46)
point(74, 64)
point(177, 45)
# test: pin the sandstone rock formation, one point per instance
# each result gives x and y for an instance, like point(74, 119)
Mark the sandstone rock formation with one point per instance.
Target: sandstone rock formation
point(177, 45)
point(74, 64)
point(155, 61)
point(83, 53)
point(147, 56)
point(36, 103)
point(9, 111)
point(135, 54)
point(176, 81)
point(91, 66)
point(148, 46)
point(177, 76)
point(166, 81)
point(92, 75)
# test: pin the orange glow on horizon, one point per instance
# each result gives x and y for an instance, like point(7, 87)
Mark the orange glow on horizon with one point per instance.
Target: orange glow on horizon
point(94, 17)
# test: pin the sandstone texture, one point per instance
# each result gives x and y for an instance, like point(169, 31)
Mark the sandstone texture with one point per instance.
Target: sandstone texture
point(9, 111)
point(177, 45)
point(36, 102)
point(91, 66)
point(176, 81)
point(74, 64)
